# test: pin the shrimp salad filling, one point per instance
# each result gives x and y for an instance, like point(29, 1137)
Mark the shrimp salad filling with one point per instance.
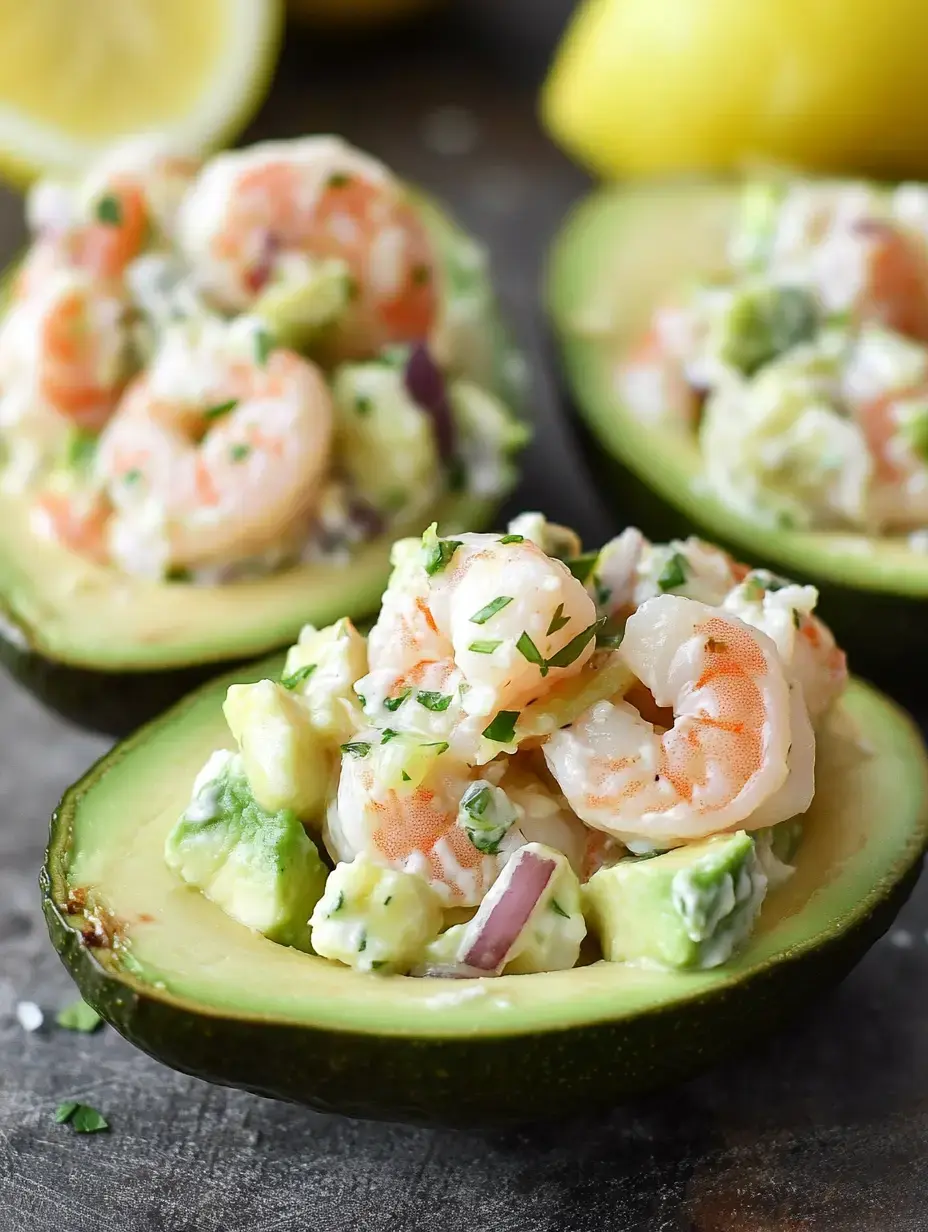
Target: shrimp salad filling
point(803, 365)
point(537, 757)
point(208, 371)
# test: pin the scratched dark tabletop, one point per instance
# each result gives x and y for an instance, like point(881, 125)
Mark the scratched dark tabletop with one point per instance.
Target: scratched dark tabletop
point(824, 1127)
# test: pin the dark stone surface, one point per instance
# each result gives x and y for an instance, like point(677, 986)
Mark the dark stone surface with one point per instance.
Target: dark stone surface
point(824, 1128)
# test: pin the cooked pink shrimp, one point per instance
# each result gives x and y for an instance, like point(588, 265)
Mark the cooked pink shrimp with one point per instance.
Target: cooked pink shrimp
point(725, 753)
point(65, 349)
point(653, 380)
point(225, 467)
point(77, 523)
point(894, 288)
point(253, 213)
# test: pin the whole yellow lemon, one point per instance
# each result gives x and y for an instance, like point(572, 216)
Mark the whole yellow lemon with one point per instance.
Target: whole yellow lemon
point(648, 86)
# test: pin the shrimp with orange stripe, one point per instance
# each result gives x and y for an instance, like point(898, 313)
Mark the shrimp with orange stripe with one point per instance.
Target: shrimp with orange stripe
point(736, 731)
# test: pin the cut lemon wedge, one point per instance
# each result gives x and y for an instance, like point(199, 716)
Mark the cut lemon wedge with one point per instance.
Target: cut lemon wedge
point(74, 77)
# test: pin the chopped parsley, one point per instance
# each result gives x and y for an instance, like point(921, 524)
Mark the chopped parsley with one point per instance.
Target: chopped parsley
point(356, 748)
point(503, 727)
point(81, 1117)
point(674, 573)
point(421, 275)
point(264, 344)
point(220, 409)
point(363, 946)
point(575, 647)
point(512, 539)
point(438, 554)
point(109, 210)
point(485, 647)
point(363, 404)
point(388, 735)
point(394, 703)
point(406, 778)
point(433, 701)
point(797, 618)
point(528, 650)
point(488, 612)
point(295, 679)
point(582, 566)
point(239, 452)
point(177, 573)
point(78, 1016)
point(558, 909)
point(484, 818)
point(441, 745)
point(338, 179)
point(339, 903)
point(378, 963)
point(132, 477)
point(82, 446)
point(558, 620)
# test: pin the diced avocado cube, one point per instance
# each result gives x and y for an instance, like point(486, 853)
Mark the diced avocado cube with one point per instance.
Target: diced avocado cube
point(284, 758)
point(686, 908)
point(260, 868)
point(763, 322)
point(386, 442)
point(304, 299)
point(374, 918)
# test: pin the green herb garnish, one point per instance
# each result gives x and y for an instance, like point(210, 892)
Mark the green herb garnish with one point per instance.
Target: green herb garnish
point(78, 1016)
point(486, 647)
point(485, 820)
point(582, 566)
point(264, 344)
point(81, 1117)
point(363, 404)
point(82, 447)
point(356, 748)
point(363, 946)
point(503, 727)
point(528, 650)
point(421, 275)
point(488, 612)
point(558, 909)
point(295, 679)
point(571, 652)
point(338, 179)
point(378, 963)
point(178, 573)
point(512, 539)
point(558, 620)
point(339, 903)
point(406, 778)
point(438, 554)
point(239, 452)
point(674, 573)
point(433, 701)
point(394, 703)
point(109, 210)
point(442, 745)
point(388, 735)
point(132, 477)
point(221, 408)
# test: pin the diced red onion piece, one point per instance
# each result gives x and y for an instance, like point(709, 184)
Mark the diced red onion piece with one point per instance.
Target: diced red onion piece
point(425, 384)
point(498, 932)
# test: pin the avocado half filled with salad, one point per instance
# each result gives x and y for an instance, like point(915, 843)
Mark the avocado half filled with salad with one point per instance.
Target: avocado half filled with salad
point(756, 361)
point(562, 827)
point(225, 389)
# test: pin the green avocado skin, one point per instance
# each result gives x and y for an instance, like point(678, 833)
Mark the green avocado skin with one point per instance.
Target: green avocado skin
point(468, 1083)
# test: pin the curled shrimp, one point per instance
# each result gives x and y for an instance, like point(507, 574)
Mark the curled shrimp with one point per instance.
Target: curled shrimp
point(252, 214)
point(725, 752)
point(898, 497)
point(492, 627)
point(65, 350)
point(224, 468)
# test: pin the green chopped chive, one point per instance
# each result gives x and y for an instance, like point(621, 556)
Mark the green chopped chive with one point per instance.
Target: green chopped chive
point(442, 745)
point(488, 612)
point(558, 620)
point(177, 573)
point(394, 703)
point(339, 903)
point(264, 344)
point(220, 409)
point(109, 210)
point(362, 699)
point(82, 446)
point(296, 678)
point(363, 946)
point(239, 452)
point(406, 778)
point(485, 820)
point(475, 802)
point(528, 650)
point(132, 477)
point(503, 727)
point(378, 963)
point(388, 735)
point(571, 652)
point(582, 566)
point(674, 573)
point(338, 179)
point(512, 539)
point(609, 640)
point(421, 275)
point(78, 1016)
point(433, 701)
point(486, 647)
point(81, 1117)
point(558, 909)
point(363, 404)
point(754, 589)
point(356, 748)
point(797, 619)
point(439, 553)
point(388, 900)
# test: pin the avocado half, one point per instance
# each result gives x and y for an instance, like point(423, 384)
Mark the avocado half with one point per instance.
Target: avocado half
point(620, 252)
point(109, 651)
point(202, 993)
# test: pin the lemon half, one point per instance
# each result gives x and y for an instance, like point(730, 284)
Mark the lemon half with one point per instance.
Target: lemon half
point(75, 75)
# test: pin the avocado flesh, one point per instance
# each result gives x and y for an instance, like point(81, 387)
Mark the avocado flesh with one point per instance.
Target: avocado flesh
point(620, 253)
point(109, 651)
point(207, 995)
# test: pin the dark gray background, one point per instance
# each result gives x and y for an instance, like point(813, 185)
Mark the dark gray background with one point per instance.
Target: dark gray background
point(823, 1128)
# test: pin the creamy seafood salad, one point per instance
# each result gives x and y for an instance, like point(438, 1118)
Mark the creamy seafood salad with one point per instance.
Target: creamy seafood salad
point(537, 756)
point(220, 368)
point(803, 364)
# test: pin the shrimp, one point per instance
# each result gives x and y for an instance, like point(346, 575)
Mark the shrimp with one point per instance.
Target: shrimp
point(653, 379)
point(76, 522)
point(251, 216)
point(65, 350)
point(491, 627)
point(224, 453)
point(894, 289)
point(725, 753)
point(899, 487)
